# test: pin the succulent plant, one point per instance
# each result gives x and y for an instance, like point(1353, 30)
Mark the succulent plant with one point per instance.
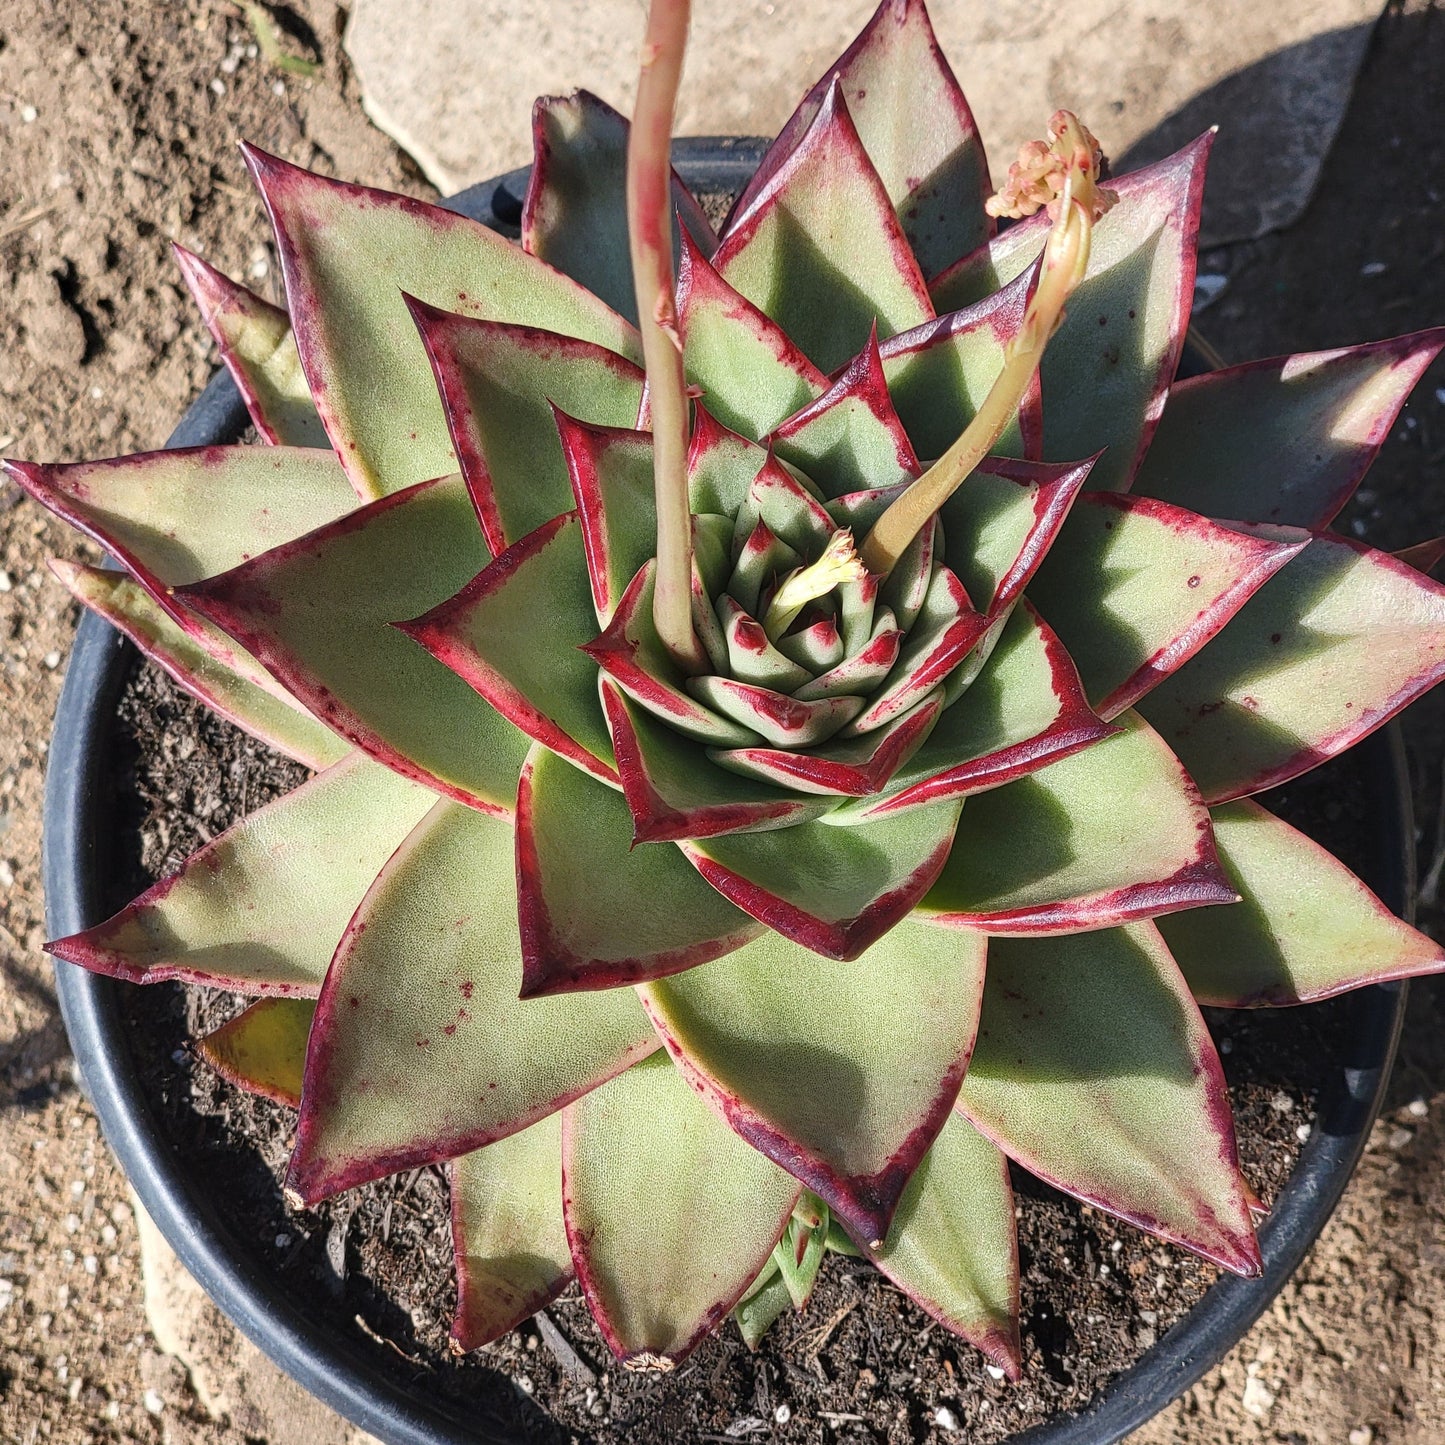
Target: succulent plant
point(762, 793)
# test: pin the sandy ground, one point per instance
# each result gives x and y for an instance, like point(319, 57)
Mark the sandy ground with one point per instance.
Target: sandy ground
point(118, 120)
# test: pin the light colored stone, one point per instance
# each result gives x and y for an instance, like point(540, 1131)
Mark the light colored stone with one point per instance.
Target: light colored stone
point(231, 1379)
point(453, 80)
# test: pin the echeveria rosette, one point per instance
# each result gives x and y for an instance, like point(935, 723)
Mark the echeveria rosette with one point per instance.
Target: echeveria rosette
point(691, 973)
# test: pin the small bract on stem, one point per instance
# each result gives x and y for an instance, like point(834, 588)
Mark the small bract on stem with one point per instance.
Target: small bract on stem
point(1064, 175)
point(649, 231)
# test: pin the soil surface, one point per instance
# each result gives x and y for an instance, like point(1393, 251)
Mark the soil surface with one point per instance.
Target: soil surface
point(119, 119)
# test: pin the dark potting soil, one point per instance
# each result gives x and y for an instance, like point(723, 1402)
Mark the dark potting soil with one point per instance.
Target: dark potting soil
point(861, 1364)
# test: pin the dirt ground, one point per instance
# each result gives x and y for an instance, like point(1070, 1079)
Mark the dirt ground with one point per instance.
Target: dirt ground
point(118, 120)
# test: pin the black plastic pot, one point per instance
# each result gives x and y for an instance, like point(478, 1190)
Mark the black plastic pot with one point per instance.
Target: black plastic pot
point(330, 1363)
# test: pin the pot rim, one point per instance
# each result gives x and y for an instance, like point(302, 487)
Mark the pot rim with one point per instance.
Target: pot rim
point(331, 1364)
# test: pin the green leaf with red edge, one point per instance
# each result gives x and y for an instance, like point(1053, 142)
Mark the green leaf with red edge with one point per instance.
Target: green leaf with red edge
point(1112, 833)
point(348, 254)
point(263, 1049)
point(835, 890)
point(575, 214)
point(1325, 652)
point(1307, 927)
point(1095, 1071)
point(259, 350)
point(856, 767)
point(1135, 587)
point(940, 372)
point(632, 654)
point(1025, 709)
point(843, 1073)
point(818, 248)
point(245, 694)
point(610, 470)
point(515, 634)
point(750, 374)
point(1106, 372)
point(953, 1245)
point(595, 912)
point(390, 560)
point(934, 173)
point(260, 908)
point(721, 465)
point(850, 439)
point(508, 1238)
point(174, 517)
point(1285, 440)
point(422, 1049)
point(1000, 524)
point(675, 791)
point(500, 385)
point(669, 1214)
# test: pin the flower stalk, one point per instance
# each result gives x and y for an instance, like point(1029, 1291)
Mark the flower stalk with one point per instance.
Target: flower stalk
point(1063, 175)
point(649, 233)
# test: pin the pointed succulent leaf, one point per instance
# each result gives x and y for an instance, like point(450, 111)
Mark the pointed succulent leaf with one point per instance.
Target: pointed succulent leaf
point(934, 173)
point(953, 1246)
point(1325, 652)
point(515, 634)
point(263, 1049)
point(173, 517)
point(1111, 833)
point(833, 890)
point(842, 1073)
point(1307, 928)
point(631, 653)
point(940, 372)
point(245, 694)
point(860, 673)
point(500, 385)
point(818, 248)
point(259, 909)
point(1135, 587)
point(776, 718)
point(575, 214)
point(348, 254)
point(422, 1049)
point(595, 912)
point(1000, 524)
point(256, 344)
point(851, 437)
point(1095, 1071)
point(855, 767)
point(721, 465)
point(749, 371)
point(610, 471)
point(789, 510)
point(508, 1237)
point(1025, 709)
point(1423, 556)
point(670, 1215)
point(392, 559)
point(675, 791)
point(1285, 440)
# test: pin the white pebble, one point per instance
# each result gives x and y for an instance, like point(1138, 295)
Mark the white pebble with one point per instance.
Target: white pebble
point(1302, 1133)
point(1362, 1435)
point(278, 87)
point(218, 86)
point(28, 114)
point(994, 1372)
point(1282, 1103)
point(7, 873)
point(5, 583)
point(282, 1240)
point(51, 660)
point(525, 1385)
point(783, 1414)
point(1417, 1108)
point(1400, 1137)
point(152, 1402)
point(1257, 1398)
point(945, 1419)
point(111, 1410)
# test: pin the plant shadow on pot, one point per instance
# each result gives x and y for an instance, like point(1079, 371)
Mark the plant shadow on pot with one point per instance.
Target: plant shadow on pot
point(376, 1390)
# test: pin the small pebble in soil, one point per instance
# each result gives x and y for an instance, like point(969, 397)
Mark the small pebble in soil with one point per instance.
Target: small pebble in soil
point(783, 1414)
point(1362, 1435)
point(945, 1419)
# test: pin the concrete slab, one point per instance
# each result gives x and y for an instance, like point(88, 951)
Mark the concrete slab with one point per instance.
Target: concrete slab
point(453, 80)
